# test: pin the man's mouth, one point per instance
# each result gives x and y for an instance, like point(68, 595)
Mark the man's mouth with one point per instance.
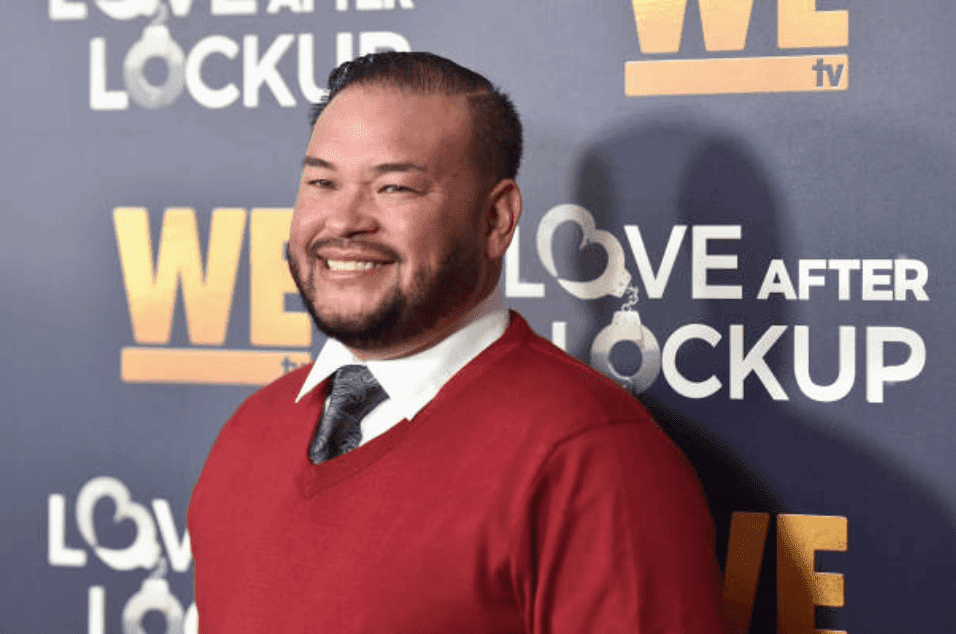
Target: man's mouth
point(347, 257)
point(351, 265)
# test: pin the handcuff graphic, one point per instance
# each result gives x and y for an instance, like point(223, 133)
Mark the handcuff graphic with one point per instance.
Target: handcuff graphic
point(156, 42)
point(153, 596)
point(616, 281)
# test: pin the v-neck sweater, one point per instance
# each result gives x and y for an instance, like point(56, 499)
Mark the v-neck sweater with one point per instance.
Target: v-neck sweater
point(531, 495)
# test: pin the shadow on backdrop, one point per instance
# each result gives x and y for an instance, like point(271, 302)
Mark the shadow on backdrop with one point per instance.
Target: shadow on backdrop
point(758, 454)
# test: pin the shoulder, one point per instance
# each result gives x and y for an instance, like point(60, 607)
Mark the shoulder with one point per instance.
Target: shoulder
point(579, 426)
point(565, 434)
point(544, 388)
point(539, 368)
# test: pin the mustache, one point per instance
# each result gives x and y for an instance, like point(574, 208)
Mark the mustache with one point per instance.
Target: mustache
point(363, 246)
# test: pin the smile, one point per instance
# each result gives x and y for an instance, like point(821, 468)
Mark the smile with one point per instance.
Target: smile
point(351, 265)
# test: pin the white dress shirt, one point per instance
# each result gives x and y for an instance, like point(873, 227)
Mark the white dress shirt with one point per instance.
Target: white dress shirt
point(412, 382)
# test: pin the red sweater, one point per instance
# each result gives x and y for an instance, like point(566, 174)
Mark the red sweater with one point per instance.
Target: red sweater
point(532, 495)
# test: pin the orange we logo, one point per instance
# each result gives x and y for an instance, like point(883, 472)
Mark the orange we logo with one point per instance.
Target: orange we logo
point(159, 281)
point(806, 39)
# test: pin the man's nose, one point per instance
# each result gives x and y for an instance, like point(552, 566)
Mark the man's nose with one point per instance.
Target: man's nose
point(348, 214)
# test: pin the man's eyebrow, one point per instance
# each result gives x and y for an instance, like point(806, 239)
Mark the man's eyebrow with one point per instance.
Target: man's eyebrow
point(382, 168)
point(313, 161)
point(398, 167)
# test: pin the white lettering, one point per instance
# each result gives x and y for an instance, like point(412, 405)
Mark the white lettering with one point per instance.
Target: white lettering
point(344, 45)
point(128, 9)
point(702, 261)
point(843, 268)
point(915, 284)
point(58, 553)
point(681, 384)
point(100, 97)
point(872, 279)
point(559, 334)
point(514, 287)
point(877, 373)
point(263, 71)
point(310, 90)
point(191, 620)
point(881, 279)
point(177, 549)
point(742, 365)
point(846, 356)
point(806, 277)
point(200, 91)
point(777, 280)
point(67, 10)
point(144, 552)
point(655, 283)
point(615, 278)
point(96, 615)
point(233, 7)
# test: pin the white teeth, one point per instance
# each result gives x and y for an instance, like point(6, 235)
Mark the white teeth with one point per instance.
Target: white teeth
point(349, 265)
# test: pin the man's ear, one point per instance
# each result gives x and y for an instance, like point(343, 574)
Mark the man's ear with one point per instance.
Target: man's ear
point(503, 207)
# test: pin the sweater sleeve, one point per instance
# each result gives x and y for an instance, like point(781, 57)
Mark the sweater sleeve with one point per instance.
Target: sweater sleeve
point(621, 539)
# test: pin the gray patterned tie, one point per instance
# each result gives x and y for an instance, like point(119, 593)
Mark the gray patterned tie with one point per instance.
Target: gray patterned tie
point(354, 393)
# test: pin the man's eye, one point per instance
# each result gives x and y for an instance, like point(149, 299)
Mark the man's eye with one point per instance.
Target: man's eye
point(321, 182)
point(389, 189)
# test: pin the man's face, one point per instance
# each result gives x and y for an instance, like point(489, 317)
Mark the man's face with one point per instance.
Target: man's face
point(385, 243)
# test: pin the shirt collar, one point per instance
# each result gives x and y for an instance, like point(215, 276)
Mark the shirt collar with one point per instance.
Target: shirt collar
point(412, 381)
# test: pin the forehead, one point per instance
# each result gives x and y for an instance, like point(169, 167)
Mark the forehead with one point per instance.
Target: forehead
point(366, 120)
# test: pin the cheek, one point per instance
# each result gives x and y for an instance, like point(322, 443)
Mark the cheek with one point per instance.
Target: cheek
point(430, 256)
point(299, 232)
point(425, 244)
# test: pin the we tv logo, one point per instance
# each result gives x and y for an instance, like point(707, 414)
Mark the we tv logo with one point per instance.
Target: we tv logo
point(808, 42)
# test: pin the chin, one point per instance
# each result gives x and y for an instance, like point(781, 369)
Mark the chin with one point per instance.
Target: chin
point(384, 326)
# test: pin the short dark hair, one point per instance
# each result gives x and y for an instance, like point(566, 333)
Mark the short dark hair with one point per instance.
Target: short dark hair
point(496, 126)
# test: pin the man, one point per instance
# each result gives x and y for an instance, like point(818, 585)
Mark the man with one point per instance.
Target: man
point(440, 468)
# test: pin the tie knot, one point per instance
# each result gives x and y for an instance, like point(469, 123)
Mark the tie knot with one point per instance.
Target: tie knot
point(355, 390)
point(354, 393)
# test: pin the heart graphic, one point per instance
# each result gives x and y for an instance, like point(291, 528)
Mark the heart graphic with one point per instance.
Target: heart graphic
point(144, 552)
point(615, 278)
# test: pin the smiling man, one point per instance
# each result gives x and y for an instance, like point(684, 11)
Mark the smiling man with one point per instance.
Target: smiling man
point(439, 468)
point(383, 243)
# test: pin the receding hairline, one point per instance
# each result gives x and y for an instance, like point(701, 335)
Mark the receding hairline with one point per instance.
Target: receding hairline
point(496, 126)
point(464, 98)
point(388, 84)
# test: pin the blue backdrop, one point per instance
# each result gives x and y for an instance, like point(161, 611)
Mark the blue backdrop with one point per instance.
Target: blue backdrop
point(772, 180)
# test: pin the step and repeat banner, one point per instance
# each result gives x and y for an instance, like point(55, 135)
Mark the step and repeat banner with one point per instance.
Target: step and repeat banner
point(742, 211)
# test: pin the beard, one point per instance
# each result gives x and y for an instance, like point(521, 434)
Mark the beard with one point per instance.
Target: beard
point(400, 316)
